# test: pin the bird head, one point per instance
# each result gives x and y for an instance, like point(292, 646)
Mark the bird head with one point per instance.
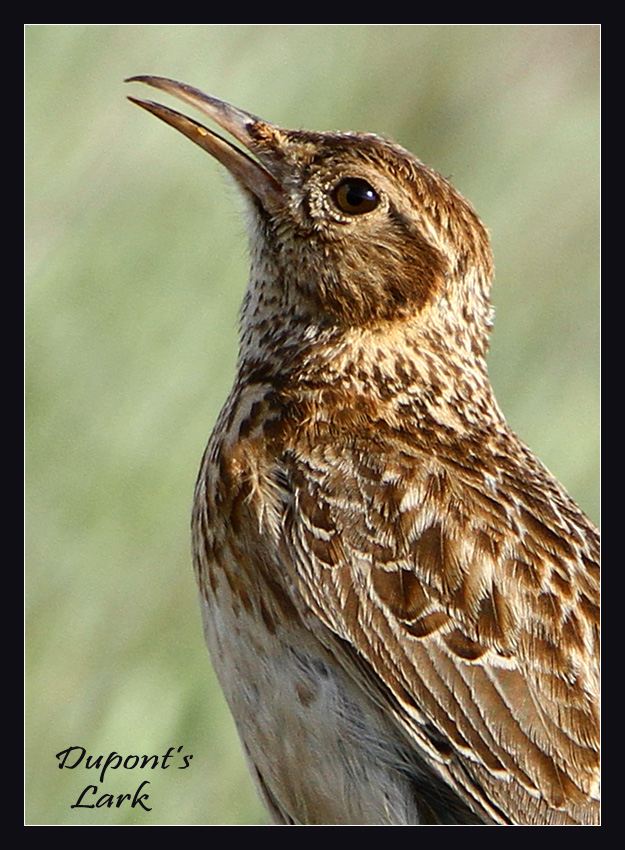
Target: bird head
point(349, 230)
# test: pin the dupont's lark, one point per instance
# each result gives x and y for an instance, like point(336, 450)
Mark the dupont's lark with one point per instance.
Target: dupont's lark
point(400, 602)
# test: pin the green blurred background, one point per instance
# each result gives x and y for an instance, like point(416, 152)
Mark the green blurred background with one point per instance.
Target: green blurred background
point(136, 264)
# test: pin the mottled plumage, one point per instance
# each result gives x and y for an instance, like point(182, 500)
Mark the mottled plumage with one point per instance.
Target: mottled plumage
point(400, 601)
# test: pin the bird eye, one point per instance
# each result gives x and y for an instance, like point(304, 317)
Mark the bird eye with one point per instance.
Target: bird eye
point(355, 196)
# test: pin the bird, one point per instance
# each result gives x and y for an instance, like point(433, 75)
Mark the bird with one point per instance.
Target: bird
point(401, 603)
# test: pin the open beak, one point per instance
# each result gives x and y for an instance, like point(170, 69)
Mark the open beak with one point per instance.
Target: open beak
point(254, 176)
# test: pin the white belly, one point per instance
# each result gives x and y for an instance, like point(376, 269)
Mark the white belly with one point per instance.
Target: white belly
point(322, 749)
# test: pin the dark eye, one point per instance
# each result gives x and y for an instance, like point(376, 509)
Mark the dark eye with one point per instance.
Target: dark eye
point(355, 196)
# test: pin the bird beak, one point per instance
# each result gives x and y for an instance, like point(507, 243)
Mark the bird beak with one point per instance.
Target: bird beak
point(252, 175)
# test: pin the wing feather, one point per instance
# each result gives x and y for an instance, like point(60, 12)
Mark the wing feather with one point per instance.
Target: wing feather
point(476, 607)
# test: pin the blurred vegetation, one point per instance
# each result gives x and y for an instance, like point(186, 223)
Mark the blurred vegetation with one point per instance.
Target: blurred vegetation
point(136, 264)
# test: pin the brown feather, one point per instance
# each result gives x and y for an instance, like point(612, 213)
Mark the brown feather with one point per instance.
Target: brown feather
point(400, 601)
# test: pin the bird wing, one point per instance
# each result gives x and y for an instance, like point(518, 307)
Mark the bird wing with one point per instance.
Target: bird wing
point(473, 597)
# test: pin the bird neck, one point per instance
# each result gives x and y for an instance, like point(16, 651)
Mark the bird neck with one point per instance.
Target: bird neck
point(422, 370)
